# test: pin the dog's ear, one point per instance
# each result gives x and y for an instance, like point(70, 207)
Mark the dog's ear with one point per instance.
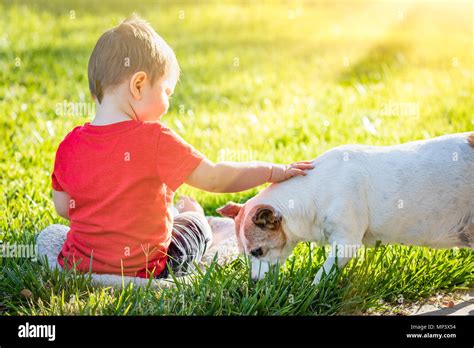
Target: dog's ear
point(231, 209)
point(266, 217)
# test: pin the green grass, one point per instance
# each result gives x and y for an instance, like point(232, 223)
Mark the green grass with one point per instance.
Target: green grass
point(307, 77)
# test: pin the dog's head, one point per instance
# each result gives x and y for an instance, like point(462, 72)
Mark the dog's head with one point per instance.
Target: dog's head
point(260, 233)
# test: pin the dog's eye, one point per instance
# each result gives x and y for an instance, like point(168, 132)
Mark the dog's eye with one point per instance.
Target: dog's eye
point(256, 252)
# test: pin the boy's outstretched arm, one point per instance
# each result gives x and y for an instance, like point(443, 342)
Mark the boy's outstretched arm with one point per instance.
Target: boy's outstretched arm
point(240, 176)
point(61, 203)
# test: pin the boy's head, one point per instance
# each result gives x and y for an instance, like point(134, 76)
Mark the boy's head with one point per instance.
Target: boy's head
point(132, 62)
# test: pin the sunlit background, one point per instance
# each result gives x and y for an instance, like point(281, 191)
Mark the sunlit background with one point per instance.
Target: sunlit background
point(273, 81)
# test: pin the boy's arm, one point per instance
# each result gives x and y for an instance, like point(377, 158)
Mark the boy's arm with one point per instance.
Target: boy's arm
point(240, 176)
point(61, 202)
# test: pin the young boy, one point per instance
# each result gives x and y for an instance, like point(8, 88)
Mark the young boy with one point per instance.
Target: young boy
point(115, 177)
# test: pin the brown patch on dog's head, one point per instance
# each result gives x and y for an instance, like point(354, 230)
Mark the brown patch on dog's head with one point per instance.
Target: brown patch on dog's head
point(470, 140)
point(263, 230)
point(265, 217)
point(259, 230)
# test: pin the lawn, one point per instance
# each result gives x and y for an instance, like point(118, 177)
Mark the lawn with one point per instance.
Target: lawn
point(273, 81)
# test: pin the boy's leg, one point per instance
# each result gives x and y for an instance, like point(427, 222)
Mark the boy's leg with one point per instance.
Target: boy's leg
point(190, 239)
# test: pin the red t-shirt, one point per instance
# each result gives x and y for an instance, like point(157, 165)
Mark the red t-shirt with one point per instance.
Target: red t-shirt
point(121, 179)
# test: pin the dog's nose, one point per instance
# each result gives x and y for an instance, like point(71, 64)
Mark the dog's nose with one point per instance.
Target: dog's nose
point(257, 252)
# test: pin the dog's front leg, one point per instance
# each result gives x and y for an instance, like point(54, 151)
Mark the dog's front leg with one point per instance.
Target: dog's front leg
point(344, 223)
point(340, 254)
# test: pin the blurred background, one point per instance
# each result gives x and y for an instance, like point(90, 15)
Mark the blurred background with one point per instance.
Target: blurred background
point(274, 81)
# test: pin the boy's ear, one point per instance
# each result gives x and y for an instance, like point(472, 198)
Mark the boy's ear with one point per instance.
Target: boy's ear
point(231, 210)
point(137, 82)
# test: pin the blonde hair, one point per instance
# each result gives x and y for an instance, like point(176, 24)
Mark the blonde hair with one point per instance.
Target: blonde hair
point(130, 47)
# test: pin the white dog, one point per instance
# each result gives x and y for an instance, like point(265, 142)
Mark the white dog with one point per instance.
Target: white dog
point(418, 193)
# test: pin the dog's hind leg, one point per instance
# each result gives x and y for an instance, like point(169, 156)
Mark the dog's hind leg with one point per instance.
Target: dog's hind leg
point(463, 232)
point(466, 237)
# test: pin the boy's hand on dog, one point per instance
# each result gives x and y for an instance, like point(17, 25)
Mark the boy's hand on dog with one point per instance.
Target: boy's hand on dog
point(281, 172)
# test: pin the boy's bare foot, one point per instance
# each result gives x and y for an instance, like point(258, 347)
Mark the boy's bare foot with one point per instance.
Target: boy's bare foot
point(186, 203)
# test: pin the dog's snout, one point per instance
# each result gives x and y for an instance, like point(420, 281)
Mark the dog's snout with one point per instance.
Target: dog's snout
point(256, 252)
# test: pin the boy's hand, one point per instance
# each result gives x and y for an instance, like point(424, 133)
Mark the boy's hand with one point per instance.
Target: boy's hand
point(281, 172)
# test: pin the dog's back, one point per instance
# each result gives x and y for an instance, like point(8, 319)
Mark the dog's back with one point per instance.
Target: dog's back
point(419, 193)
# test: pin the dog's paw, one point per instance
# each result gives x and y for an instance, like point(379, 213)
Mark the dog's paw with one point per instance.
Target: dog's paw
point(317, 278)
point(259, 268)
